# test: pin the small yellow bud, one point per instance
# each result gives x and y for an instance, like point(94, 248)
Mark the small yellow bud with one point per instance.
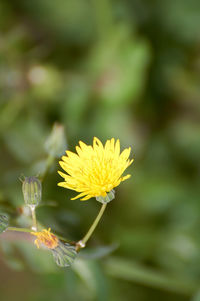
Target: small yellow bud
point(63, 253)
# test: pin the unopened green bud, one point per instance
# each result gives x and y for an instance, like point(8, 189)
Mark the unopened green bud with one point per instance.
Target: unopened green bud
point(56, 144)
point(32, 191)
point(3, 222)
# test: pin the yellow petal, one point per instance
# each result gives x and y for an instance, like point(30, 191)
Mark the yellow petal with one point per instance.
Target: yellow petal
point(94, 170)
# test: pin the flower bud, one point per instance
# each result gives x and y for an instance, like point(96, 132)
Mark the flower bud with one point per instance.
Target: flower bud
point(64, 254)
point(32, 191)
point(3, 222)
point(109, 197)
point(56, 144)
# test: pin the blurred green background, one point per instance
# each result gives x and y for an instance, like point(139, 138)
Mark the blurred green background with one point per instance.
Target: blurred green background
point(128, 69)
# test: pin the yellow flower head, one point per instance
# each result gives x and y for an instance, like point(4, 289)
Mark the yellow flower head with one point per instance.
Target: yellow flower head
point(95, 170)
point(46, 238)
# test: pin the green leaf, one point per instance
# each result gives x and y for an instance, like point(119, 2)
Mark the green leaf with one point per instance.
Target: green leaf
point(132, 271)
point(98, 252)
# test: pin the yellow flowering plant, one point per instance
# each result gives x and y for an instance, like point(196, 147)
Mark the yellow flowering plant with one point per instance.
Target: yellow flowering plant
point(93, 171)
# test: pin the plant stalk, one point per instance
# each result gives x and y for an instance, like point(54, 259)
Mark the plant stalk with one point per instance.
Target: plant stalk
point(81, 243)
point(34, 227)
point(19, 229)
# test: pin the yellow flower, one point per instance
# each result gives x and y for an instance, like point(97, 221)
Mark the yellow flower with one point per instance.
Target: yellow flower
point(63, 253)
point(95, 170)
point(46, 238)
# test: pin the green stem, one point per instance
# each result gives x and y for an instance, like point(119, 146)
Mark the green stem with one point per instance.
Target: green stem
point(34, 227)
point(83, 241)
point(30, 230)
point(18, 229)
